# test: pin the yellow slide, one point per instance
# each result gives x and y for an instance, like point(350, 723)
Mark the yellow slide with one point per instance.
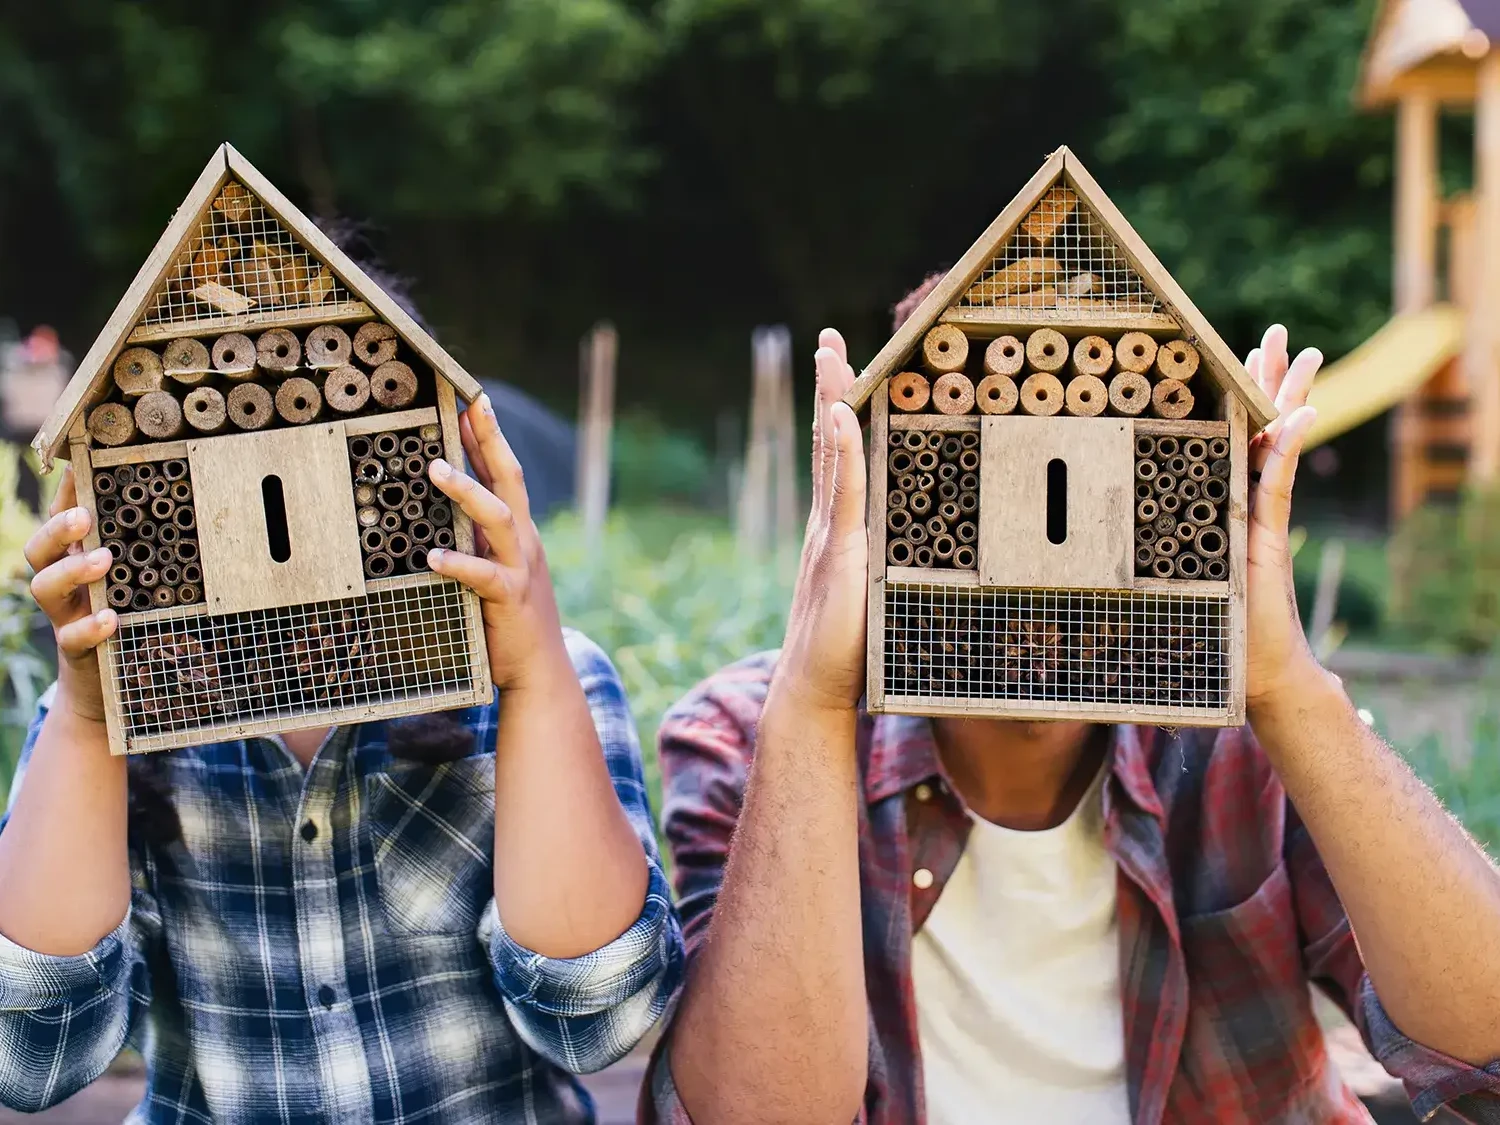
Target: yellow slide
point(1385, 369)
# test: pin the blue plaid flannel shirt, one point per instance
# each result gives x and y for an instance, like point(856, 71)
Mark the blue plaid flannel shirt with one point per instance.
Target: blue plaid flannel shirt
point(323, 946)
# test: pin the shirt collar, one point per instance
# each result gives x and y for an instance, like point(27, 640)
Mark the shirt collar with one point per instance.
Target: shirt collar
point(903, 754)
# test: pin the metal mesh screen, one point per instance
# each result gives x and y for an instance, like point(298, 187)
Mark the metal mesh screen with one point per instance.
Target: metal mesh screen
point(242, 260)
point(1071, 647)
point(198, 672)
point(1062, 258)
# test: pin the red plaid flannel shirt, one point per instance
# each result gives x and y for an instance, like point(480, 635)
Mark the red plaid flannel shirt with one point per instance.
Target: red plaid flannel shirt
point(1226, 916)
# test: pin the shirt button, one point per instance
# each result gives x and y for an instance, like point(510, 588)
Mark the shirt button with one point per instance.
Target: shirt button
point(326, 996)
point(921, 878)
point(924, 793)
point(309, 831)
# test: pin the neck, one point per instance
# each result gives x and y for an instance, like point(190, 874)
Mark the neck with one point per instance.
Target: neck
point(1025, 776)
point(304, 743)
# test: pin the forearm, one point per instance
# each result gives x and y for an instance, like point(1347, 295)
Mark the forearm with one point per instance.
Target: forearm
point(773, 1026)
point(64, 857)
point(1423, 898)
point(570, 873)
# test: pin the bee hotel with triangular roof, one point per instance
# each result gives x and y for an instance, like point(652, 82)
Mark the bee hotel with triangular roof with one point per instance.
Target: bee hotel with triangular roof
point(1058, 481)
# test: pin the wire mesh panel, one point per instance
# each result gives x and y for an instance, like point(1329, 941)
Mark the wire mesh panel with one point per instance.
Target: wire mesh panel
point(1061, 258)
point(195, 673)
point(242, 260)
point(1066, 647)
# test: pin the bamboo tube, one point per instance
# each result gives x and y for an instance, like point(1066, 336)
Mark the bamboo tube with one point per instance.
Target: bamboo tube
point(1163, 566)
point(1135, 352)
point(375, 343)
point(134, 494)
point(914, 440)
point(1167, 545)
point(1215, 570)
point(420, 532)
point(109, 527)
point(1144, 557)
point(1146, 511)
point(118, 596)
point(1197, 471)
point(965, 558)
point(1042, 394)
point(1195, 449)
point(111, 424)
point(165, 597)
point(1167, 446)
point(372, 539)
point(394, 385)
point(1094, 356)
point(1145, 445)
point(934, 440)
point(927, 462)
point(1177, 360)
point(140, 553)
point(943, 547)
point(898, 552)
point(947, 490)
point(1188, 490)
point(168, 534)
point(147, 577)
point(966, 531)
point(140, 601)
point(968, 501)
point(105, 483)
point(417, 560)
point(124, 475)
point(895, 498)
point(968, 482)
point(122, 574)
point(1171, 503)
point(1215, 490)
point(328, 347)
point(185, 519)
point(951, 448)
point(379, 565)
point(947, 471)
point(909, 392)
point(158, 486)
point(1171, 399)
point(298, 401)
point(1005, 356)
point(439, 513)
point(1145, 470)
point(949, 512)
point(1145, 535)
point(116, 549)
point(278, 351)
point(968, 462)
point(945, 348)
point(1219, 469)
point(901, 461)
point(398, 545)
point(920, 503)
point(996, 394)
point(936, 526)
point(1163, 483)
point(1129, 394)
point(923, 556)
point(189, 594)
point(1189, 565)
point(916, 533)
point(174, 469)
point(347, 389)
point(1218, 448)
point(107, 505)
point(138, 372)
point(1186, 532)
point(250, 406)
point(158, 415)
point(162, 508)
point(1047, 350)
point(1177, 465)
point(367, 516)
point(187, 551)
point(1165, 523)
point(204, 410)
point(1202, 512)
point(391, 495)
point(953, 393)
point(1086, 396)
point(233, 356)
point(907, 482)
point(146, 531)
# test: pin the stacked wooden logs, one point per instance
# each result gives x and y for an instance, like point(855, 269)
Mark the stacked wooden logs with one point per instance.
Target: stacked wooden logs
point(401, 516)
point(1045, 375)
point(146, 520)
point(193, 387)
point(932, 499)
point(940, 646)
point(1182, 500)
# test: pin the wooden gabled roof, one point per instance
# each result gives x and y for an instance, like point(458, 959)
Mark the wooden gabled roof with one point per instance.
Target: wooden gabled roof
point(1427, 46)
point(170, 257)
point(1148, 275)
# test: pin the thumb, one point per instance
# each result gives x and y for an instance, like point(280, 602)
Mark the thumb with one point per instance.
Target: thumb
point(847, 499)
point(1273, 495)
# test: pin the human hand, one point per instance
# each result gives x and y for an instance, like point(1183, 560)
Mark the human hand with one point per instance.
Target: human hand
point(1279, 659)
point(63, 571)
point(508, 569)
point(822, 663)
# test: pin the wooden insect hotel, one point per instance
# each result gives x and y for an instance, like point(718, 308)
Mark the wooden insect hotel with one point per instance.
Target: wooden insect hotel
point(251, 432)
point(1058, 481)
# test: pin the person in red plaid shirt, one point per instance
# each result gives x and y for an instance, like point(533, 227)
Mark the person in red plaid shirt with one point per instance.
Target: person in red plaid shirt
point(897, 920)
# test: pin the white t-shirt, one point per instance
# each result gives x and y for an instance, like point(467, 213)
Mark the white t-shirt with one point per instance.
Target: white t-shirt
point(1017, 978)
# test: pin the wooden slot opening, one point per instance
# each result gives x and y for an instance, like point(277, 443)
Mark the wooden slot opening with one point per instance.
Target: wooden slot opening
point(1057, 501)
point(277, 536)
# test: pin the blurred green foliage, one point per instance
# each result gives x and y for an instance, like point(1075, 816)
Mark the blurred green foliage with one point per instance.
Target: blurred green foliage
point(1364, 590)
point(1446, 560)
point(1467, 778)
point(652, 464)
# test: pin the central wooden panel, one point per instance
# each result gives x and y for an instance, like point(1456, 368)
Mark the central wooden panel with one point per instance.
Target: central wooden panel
point(312, 464)
point(1097, 550)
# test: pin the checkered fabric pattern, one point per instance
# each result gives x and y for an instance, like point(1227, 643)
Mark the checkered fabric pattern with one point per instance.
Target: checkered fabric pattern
point(323, 946)
point(1226, 915)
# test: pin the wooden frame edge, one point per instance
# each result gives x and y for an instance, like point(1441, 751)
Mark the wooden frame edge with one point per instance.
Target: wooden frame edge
point(875, 621)
point(83, 480)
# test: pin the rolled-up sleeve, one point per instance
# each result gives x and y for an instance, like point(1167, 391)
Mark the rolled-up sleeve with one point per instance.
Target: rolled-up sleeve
point(64, 1019)
point(584, 1013)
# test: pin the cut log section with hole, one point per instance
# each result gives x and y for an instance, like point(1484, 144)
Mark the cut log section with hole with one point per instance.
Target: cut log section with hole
point(138, 371)
point(1129, 394)
point(347, 389)
point(158, 415)
point(1042, 395)
point(112, 424)
point(1135, 351)
point(278, 351)
point(250, 406)
point(945, 348)
point(185, 361)
point(298, 401)
point(1171, 399)
point(953, 393)
point(204, 410)
point(394, 385)
point(328, 347)
point(1177, 360)
point(997, 394)
point(910, 391)
point(375, 343)
point(1086, 396)
point(1093, 355)
point(1005, 355)
point(1047, 350)
point(233, 356)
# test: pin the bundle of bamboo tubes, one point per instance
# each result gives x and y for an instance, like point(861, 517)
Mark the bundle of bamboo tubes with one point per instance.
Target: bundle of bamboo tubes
point(932, 499)
point(146, 520)
point(1047, 374)
point(1182, 500)
point(1002, 645)
point(401, 515)
point(195, 387)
